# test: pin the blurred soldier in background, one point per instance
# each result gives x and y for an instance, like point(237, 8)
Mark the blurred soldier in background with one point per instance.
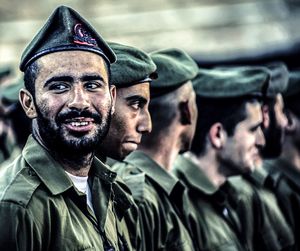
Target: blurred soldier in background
point(157, 193)
point(227, 143)
point(285, 171)
point(16, 127)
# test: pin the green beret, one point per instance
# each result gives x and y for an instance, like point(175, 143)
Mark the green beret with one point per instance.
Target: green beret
point(133, 66)
point(66, 30)
point(10, 93)
point(293, 87)
point(5, 71)
point(174, 68)
point(231, 82)
point(278, 80)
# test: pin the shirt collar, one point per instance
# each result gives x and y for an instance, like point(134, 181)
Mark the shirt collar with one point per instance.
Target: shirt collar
point(193, 175)
point(159, 175)
point(52, 173)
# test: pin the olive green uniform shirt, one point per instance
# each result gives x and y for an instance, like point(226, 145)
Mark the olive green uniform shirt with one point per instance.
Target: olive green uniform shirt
point(41, 209)
point(263, 224)
point(286, 186)
point(157, 194)
point(208, 215)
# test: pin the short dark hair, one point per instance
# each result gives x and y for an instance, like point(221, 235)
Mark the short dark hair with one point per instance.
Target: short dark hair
point(228, 112)
point(30, 75)
point(31, 72)
point(163, 110)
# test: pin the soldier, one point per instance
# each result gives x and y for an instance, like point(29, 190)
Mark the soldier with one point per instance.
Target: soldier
point(284, 171)
point(132, 75)
point(146, 171)
point(56, 195)
point(13, 116)
point(227, 141)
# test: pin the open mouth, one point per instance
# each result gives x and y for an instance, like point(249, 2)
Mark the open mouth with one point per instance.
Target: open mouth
point(79, 124)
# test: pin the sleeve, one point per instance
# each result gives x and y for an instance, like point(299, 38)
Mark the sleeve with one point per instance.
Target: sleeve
point(18, 231)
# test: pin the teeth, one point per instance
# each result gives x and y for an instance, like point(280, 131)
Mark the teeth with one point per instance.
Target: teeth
point(83, 123)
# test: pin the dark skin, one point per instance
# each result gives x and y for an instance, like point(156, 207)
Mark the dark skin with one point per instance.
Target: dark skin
point(130, 121)
point(73, 100)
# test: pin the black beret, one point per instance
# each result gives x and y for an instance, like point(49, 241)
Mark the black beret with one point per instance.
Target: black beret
point(174, 68)
point(232, 82)
point(133, 66)
point(66, 30)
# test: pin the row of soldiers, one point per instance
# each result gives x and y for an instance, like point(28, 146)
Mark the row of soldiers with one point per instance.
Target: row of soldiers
point(145, 151)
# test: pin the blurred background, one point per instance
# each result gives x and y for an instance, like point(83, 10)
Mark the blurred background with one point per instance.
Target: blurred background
point(213, 32)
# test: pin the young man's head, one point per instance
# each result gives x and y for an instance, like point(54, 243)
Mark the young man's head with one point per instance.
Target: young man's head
point(132, 75)
point(67, 84)
point(229, 117)
point(173, 101)
point(275, 120)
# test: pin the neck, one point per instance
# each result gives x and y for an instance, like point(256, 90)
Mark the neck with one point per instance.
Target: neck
point(210, 166)
point(74, 163)
point(164, 151)
point(290, 153)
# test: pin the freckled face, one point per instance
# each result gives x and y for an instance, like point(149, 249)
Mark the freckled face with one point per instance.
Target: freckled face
point(73, 99)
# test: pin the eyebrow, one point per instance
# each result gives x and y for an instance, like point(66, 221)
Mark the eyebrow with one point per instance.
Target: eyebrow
point(58, 78)
point(137, 97)
point(71, 79)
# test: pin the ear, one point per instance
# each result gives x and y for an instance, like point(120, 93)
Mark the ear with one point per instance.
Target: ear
point(113, 94)
point(185, 113)
point(217, 135)
point(265, 116)
point(292, 124)
point(27, 103)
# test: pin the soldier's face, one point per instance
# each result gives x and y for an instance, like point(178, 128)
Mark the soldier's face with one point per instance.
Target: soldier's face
point(241, 151)
point(73, 100)
point(275, 132)
point(129, 122)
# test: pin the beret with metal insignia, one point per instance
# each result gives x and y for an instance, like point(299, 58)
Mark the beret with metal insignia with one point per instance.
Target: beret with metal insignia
point(133, 66)
point(232, 82)
point(66, 30)
point(174, 68)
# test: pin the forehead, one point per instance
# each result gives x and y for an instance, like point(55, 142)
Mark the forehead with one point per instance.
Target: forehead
point(141, 89)
point(253, 113)
point(73, 63)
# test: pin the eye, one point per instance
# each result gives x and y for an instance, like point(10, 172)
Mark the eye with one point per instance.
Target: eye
point(92, 85)
point(135, 105)
point(59, 87)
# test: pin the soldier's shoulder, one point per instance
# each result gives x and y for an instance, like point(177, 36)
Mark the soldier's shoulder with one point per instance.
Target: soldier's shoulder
point(18, 182)
point(133, 177)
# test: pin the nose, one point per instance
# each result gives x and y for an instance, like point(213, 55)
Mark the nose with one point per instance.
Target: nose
point(79, 99)
point(145, 123)
point(260, 139)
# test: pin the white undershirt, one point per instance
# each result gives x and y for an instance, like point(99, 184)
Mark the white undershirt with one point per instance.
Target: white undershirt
point(81, 183)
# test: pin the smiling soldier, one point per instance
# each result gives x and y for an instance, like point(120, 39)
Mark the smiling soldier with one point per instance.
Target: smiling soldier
point(56, 195)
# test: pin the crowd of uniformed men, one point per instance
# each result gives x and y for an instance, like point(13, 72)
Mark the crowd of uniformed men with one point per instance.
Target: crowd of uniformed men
point(106, 147)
